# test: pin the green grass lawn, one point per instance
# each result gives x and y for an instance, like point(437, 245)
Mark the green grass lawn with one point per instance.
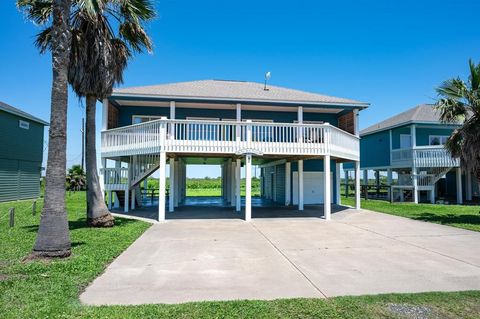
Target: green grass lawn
point(467, 217)
point(51, 289)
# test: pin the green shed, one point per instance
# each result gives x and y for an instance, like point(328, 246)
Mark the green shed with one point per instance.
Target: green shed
point(21, 153)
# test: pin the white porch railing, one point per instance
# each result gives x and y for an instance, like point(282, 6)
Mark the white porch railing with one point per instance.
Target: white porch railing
point(116, 178)
point(195, 136)
point(424, 156)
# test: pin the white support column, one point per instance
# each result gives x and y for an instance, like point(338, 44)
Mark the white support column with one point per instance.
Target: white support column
point(338, 169)
point(172, 117)
point(468, 181)
point(238, 197)
point(116, 201)
point(432, 194)
point(458, 174)
point(300, 184)
point(413, 133)
point(126, 202)
point(389, 182)
point(300, 121)
point(171, 194)
point(357, 184)
point(327, 188)
point(248, 187)
point(233, 183)
point(415, 185)
point(239, 120)
point(228, 181)
point(105, 114)
point(176, 198)
point(161, 183)
point(288, 175)
point(132, 198)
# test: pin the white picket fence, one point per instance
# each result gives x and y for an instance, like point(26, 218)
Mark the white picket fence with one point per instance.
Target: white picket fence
point(229, 137)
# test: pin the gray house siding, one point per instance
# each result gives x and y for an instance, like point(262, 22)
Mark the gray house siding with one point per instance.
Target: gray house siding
point(21, 152)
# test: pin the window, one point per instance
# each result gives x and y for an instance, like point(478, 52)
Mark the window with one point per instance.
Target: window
point(437, 139)
point(405, 141)
point(137, 119)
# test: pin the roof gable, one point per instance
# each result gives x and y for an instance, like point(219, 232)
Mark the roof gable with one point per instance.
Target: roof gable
point(424, 113)
point(13, 110)
point(234, 90)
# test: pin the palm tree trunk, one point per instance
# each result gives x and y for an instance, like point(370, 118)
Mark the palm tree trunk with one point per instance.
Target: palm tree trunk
point(97, 211)
point(53, 239)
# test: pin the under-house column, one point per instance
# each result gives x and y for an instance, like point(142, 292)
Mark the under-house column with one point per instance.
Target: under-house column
point(233, 183)
point(338, 169)
point(389, 182)
point(459, 185)
point(357, 184)
point(248, 187)
point(327, 188)
point(171, 194)
point(288, 174)
point(300, 185)
point(161, 186)
point(238, 178)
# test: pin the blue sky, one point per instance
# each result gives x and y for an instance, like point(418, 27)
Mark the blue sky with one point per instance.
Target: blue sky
point(391, 54)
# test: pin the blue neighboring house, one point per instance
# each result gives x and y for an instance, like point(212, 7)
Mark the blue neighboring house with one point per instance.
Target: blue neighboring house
point(410, 147)
point(298, 138)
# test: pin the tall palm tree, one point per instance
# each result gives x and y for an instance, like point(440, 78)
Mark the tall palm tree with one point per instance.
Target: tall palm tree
point(99, 55)
point(459, 102)
point(53, 239)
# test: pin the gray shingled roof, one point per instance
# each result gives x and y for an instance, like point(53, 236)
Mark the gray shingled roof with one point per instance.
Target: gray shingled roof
point(13, 110)
point(424, 113)
point(233, 90)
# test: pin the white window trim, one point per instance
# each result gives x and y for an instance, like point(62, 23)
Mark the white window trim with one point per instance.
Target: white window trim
point(199, 118)
point(258, 120)
point(440, 137)
point(310, 122)
point(151, 117)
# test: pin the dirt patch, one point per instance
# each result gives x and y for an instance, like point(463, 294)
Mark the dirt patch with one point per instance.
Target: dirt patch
point(3, 277)
point(411, 311)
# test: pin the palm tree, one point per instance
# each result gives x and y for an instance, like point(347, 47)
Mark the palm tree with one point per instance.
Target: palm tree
point(76, 179)
point(459, 102)
point(53, 239)
point(99, 55)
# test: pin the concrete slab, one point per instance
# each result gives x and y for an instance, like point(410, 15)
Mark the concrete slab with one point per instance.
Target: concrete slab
point(358, 252)
point(198, 260)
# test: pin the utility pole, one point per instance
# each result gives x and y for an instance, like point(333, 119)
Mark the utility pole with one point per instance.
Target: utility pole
point(83, 142)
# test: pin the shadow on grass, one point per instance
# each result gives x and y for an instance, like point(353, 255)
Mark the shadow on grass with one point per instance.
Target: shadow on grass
point(82, 223)
point(449, 218)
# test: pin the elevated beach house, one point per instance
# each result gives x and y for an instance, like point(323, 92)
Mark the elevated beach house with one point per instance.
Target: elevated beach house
point(297, 138)
point(21, 153)
point(411, 146)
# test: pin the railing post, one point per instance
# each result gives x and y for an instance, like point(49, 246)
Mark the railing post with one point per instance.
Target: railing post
point(249, 133)
point(163, 133)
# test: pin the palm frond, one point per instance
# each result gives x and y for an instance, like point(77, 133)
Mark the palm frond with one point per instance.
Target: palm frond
point(38, 11)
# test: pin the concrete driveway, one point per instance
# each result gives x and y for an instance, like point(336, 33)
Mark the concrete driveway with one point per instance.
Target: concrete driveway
point(358, 252)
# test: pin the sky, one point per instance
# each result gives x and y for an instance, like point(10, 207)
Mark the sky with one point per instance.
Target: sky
point(391, 54)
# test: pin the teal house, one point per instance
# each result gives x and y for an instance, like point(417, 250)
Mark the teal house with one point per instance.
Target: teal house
point(409, 148)
point(21, 153)
point(298, 140)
